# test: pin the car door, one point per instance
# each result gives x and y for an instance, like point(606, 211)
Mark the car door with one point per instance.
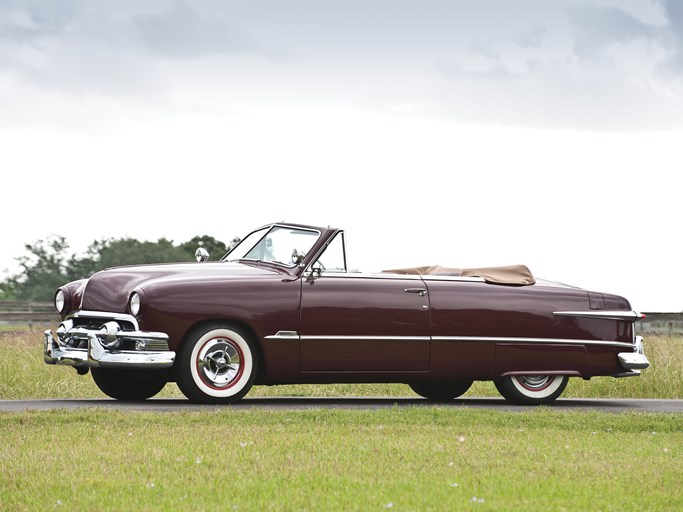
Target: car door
point(357, 323)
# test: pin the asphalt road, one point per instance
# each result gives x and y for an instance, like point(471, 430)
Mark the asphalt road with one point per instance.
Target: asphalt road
point(498, 404)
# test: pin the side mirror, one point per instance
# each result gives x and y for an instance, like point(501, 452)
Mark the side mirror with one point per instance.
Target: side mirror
point(316, 272)
point(201, 255)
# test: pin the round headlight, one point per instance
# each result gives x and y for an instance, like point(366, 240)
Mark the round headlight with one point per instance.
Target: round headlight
point(134, 304)
point(60, 301)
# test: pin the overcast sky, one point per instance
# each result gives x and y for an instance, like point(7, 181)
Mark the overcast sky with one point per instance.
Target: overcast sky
point(457, 133)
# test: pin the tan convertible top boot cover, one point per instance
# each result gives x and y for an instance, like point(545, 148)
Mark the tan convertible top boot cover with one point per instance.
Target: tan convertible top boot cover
point(509, 274)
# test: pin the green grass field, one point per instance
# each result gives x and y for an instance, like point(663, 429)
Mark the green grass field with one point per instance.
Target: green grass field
point(403, 458)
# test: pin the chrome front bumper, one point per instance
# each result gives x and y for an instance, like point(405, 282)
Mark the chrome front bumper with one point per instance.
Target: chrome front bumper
point(633, 361)
point(83, 346)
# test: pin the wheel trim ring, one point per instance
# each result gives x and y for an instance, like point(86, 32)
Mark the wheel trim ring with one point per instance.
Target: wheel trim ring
point(201, 373)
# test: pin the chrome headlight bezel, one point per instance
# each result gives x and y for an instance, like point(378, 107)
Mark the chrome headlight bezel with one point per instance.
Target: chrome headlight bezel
point(134, 304)
point(60, 301)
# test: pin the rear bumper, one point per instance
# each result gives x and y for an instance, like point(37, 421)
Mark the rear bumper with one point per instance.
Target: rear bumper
point(633, 361)
point(96, 348)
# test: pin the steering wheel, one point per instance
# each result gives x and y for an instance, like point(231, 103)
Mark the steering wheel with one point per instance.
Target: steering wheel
point(297, 257)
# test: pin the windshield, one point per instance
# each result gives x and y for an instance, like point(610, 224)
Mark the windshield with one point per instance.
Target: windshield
point(276, 244)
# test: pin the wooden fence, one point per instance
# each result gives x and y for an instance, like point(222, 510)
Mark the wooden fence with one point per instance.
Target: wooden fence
point(661, 323)
point(25, 312)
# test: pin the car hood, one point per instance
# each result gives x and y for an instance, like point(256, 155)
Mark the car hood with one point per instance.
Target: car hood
point(110, 289)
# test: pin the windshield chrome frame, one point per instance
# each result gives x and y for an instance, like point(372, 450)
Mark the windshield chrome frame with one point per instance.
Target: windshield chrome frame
point(268, 229)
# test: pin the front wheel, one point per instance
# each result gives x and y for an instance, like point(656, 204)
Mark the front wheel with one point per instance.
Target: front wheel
point(217, 364)
point(129, 385)
point(531, 389)
point(441, 391)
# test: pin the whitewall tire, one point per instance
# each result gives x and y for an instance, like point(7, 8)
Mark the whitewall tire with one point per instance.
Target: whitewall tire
point(217, 364)
point(532, 389)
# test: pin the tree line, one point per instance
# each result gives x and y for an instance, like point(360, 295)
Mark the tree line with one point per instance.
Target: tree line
point(49, 263)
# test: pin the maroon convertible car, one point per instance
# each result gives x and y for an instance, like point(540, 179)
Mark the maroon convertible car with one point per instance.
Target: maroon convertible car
point(282, 308)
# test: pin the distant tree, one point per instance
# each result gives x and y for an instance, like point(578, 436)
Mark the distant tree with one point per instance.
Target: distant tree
point(48, 264)
point(233, 243)
point(43, 270)
point(88, 264)
point(215, 248)
point(6, 292)
point(129, 251)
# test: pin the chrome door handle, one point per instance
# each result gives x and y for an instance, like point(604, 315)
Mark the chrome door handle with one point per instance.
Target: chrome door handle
point(420, 291)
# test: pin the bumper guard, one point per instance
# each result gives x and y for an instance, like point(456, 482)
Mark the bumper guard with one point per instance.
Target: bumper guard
point(633, 362)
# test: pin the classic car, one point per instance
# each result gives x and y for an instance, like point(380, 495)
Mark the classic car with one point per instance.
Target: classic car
point(281, 308)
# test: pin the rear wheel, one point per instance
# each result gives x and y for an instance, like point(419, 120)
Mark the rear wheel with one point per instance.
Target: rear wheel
point(532, 389)
point(441, 391)
point(217, 364)
point(129, 385)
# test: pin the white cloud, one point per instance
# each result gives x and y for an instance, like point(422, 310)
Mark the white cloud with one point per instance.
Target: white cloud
point(528, 63)
point(456, 133)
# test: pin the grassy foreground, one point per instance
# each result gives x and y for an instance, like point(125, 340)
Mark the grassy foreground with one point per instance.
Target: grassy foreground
point(400, 459)
point(439, 458)
point(23, 374)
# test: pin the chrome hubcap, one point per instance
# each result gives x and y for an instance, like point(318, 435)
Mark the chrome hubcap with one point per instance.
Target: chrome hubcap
point(536, 382)
point(219, 362)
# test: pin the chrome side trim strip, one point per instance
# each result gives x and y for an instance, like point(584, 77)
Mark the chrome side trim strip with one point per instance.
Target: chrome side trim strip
point(465, 279)
point(629, 316)
point(412, 277)
point(361, 275)
point(289, 335)
point(284, 335)
point(494, 339)
point(292, 335)
point(371, 338)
